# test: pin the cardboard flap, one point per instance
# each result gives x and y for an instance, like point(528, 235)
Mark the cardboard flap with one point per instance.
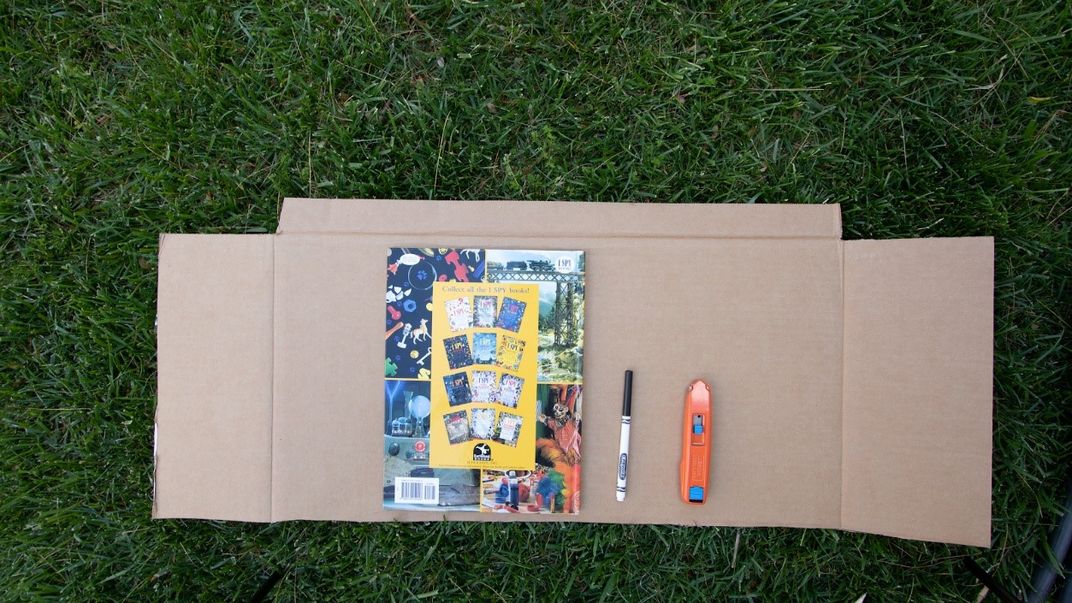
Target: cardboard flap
point(558, 219)
point(918, 374)
point(214, 378)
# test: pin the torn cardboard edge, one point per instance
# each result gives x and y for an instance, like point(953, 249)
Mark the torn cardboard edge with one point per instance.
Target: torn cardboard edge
point(852, 379)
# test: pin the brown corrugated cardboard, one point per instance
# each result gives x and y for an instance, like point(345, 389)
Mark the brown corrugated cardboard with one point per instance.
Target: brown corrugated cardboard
point(214, 377)
point(752, 298)
point(917, 397)
point(551, 220)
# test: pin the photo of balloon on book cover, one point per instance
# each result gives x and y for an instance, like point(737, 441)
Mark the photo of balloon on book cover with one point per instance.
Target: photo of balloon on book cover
point(407, 479)
point(483, 380)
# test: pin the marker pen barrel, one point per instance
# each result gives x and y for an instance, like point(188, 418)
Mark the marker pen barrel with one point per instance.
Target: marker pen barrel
point(623, 448)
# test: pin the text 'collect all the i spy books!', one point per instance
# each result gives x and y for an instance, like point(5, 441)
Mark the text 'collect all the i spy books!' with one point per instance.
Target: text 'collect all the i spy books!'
point(483, 390)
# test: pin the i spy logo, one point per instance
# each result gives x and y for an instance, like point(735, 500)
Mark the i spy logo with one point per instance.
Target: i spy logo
point(481, 452)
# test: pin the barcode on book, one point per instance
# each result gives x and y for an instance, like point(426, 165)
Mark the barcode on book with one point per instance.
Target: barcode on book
point(417, 490)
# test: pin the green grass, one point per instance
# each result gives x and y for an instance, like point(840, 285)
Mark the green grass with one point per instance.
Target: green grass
point(119, 121)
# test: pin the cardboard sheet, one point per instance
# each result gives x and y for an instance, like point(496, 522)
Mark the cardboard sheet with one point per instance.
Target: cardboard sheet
point(811, 346)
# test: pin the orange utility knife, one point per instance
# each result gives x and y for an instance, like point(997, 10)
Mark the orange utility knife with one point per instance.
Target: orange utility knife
point(696, 443)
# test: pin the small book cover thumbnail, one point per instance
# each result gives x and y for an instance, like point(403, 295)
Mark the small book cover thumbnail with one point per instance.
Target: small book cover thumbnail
point(484, 348)
point(457, 424)
point(484, 309)
point(458, 354)
point(508, 429)
point(482, 424)
point(510, 387)
point(510, 314)
point(511, 350)
point(459, 314)
point(484, 386)
point(458, 392)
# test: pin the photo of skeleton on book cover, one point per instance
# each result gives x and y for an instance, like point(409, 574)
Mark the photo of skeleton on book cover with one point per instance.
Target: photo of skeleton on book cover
point(483, 392)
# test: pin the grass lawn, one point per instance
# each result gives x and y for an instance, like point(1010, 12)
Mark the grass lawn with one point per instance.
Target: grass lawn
point(122, 120)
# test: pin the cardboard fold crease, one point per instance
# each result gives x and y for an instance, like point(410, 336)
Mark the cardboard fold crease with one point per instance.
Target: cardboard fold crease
point(851, 379)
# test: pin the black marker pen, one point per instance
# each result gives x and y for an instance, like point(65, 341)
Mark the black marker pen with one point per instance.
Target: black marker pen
point(623, 449)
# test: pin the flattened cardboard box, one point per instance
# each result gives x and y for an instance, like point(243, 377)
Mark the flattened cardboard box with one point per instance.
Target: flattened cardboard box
point(851, 379)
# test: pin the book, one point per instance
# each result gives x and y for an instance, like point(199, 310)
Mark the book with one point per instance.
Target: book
point(502, 331)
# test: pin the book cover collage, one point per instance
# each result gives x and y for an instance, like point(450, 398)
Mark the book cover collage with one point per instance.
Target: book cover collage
point(483, 387)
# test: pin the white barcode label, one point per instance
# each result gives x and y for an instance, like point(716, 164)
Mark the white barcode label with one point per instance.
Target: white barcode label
point(417, 490)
